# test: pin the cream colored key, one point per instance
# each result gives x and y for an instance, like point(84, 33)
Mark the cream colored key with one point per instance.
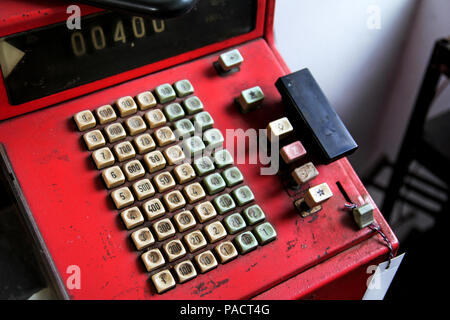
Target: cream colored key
point(215, 231)
point(163, 281)
point(144, 143)
point(184, 220)
point(318, 194)
point(226, 251)
point(142, 238)
point(143, 189)
point(133, 170)
point(279, 128)
point(205, 261)
point(184, 173)
point(122, 197)
point(174, 250)
point(163, 229)
point(146, 100)
point(205, 211)
point(153, 259)
point(153, 209)
point(195, 240)
point(174, 155)
point(115, 132)
point(164, 181)
point(135, 125)
point(94, 139)
point(124, 151)
point(155, 161)
point(164, 136)
point(155, 118)
point(113, 177)
point(105, 114)
point(185, 271)
point(132, 217)
point(84, 120)
point(103, 158)
point(174, 200)
point(194, 192)
point(126, 106)
point(305, 173)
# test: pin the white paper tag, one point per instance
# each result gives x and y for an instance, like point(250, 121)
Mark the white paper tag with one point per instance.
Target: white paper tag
point(378, 284)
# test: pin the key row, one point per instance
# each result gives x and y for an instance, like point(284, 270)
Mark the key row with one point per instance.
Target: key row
point(205, 261)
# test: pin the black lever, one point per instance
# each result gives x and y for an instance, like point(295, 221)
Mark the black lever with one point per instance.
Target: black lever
point(160, 9)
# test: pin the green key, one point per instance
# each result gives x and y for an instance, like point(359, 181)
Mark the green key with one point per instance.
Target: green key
point(232, 176)
point(203, 121)
point(183, 128)
point(246, 242)
point(193, 145)
point(265, 233)
point(165, 93)
point(183, 88)
point(243, 195)
point(234, 223)
point(214, 183)
point(203, 166)
point(213, 138)
point(193, 105)
point(224, 203)
point(222, 158)
point(254, 214)
point(174, 111)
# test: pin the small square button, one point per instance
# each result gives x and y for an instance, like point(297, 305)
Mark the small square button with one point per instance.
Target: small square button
point(164, 136)
point(146, 100)
point(163, 281)
point(174, 111)
point(174, 155)
point(105, 114)
point(113, 177)
point(223, 158)
point(122, 197)
point(103, 158)
point(250, 99)
point(184, 220)
point(155, 118)
point(174, 250)
point(363, 215)
point(305, 173)
point(246, 242)
point(164, 181)
point(142, 238)
point(133, 170)
point(318, 194)
point(84, 120)
point(214, 183)
point(132, 217)
point(152, 259)
point(124, 151)
point(183, 88)
point(193, 105)
point(265, 233)
point(195, 241)
point(144, 143)
point(155, 161)
point(226, 251)
point(232, 176)
point(205, 211)
point(115, 132)
point(185, 271)
point(224, 203)
point(293, 152)
point(126, 106)
point(163, 229)
point(213, 138)
point(184, 173)
point(153, 209)
point(215, 231)
point(183, 128)
point(243, 195)
point(234, 223)
point(174, 200)
point(203, 121)
point(193, 145)
point(231, 59)
point(165, 93)
point(254, 214)
point(203, 166)
point(194, 192)
point(279, 129)
point(206, 261)
point(143, 189)
point(94, 139)
point(135, 125)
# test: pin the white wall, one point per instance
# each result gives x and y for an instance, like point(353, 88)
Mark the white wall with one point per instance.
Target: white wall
point(354, 65)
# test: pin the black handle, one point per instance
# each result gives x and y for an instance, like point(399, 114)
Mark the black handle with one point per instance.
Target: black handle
point(160, 9)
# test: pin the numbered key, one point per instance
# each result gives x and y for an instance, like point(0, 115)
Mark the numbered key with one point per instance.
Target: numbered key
point(153, 209)
point(205, 211)
point(126, 106)
point(174, 200)
point(213, 138)
point(193, 145)
point(164, 136)
point(155, 161)
point(174, 111)
point(203, 166)
point(122, 197)
point(183, 88)
point(124, 151)
point(115, 132)
point(103, 158)
point(234, 223)
point(224, 203)
point(146, 100)
point(195, 241)
point(163, 229)
point(94, 140)
point(185, 271)
point(206, 261)
point(143, 189)
point(153, 259)
point(133, 170)
point(105, 114)
point(142, 238)
point(215, 231)
point(174, 250)
point(184, 173)
point(155, 118)
point(174, 155)
point(246, 242)
point(164, 181)
point(265, 233)
point(184, 220)
point(113, 177)
point(135, 125)
point(232, 176)
point(243, 195)
point(163, 281)
point(226, 251)
point(194, 192)
point(254, 214)
point(165, 93)
point(183, 128)
point(132, 218)
point(193, 105)
point(214, 183)
point(222, 158)
point(84, 120)
point(203, 121)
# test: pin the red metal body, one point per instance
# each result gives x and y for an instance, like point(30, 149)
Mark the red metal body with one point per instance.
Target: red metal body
point(322, 256)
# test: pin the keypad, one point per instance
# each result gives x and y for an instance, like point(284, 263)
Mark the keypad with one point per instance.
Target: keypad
point(183, 203)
